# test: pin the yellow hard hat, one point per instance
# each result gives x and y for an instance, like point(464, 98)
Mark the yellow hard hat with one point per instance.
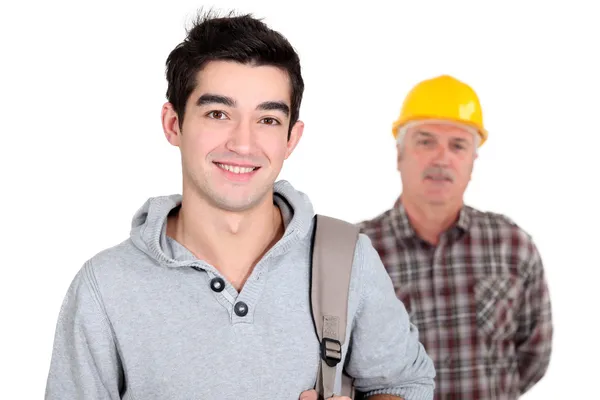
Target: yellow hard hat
point(442, 98)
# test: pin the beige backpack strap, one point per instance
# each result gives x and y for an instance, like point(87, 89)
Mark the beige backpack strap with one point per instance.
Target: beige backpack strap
point(334, 243)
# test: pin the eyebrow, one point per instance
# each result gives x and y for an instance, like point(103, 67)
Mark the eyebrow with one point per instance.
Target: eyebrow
point(209, 98)
point(430, 135)
point(215, 99)
point(274, 106)
point(424, 133)
point(463, 140)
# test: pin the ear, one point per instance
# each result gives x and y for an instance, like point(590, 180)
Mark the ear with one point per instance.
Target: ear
point(398, 155)
point(295, 136)
point(170, 124)
point(472, 166)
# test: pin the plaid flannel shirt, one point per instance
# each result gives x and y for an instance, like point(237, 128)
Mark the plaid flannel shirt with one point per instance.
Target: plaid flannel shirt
point(479, 299)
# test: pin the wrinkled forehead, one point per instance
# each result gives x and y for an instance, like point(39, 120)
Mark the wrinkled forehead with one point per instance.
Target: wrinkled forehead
point(441, 129)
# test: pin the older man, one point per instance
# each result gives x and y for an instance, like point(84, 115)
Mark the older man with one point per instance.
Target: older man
point(473, 281)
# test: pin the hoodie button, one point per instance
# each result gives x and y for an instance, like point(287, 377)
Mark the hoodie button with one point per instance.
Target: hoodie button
point(217, 284)
point(241, 309)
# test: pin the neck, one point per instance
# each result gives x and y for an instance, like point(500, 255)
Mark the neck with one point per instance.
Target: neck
point(211, 234)
point(430, 221)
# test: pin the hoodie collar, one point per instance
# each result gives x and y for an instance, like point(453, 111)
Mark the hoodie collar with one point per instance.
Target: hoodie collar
point(148, 226)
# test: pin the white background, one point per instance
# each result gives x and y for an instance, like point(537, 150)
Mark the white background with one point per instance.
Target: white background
point(82, 84)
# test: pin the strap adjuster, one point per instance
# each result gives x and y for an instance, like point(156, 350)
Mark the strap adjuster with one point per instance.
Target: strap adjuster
point(331, 351)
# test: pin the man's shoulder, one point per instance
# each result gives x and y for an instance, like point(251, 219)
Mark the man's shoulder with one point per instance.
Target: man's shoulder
point(376, 224)
point(496, 221)
point(499, 228)
point(114, 263)
point(116, 253)
point(108, 272)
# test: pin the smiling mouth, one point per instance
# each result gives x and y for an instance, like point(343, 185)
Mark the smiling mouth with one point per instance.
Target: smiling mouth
point(236, 169)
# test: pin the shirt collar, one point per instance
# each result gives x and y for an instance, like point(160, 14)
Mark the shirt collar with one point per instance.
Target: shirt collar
point(404, 229)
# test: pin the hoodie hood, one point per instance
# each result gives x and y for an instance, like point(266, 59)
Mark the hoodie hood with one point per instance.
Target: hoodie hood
point(149, 223)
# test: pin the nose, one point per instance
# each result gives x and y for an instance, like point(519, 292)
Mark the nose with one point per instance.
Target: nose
point(442, 155)
point(241, 138)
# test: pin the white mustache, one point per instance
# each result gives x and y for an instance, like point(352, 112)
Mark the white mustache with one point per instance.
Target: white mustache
point(438, 173)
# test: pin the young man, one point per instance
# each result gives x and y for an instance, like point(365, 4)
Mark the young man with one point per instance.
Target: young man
point(473, 281)
point(209, 297)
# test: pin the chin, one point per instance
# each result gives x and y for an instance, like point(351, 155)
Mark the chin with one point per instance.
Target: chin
point(238, 201)
point(232, 203)
point(437, 198)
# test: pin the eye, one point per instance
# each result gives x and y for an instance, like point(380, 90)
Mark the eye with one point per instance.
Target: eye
point(269, 121)
point(425, 142)
point(459, 146)
point(216, 115)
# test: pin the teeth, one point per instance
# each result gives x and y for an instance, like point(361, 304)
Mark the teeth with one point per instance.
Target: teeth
point(236, 169)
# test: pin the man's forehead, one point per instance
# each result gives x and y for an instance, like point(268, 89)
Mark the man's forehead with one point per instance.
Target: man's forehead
point(236, 80)
point(443, 129)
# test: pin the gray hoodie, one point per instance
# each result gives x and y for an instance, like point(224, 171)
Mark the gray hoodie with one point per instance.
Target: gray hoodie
point(148, 320)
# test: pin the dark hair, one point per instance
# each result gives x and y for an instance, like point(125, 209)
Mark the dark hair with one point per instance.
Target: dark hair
point(243, 39)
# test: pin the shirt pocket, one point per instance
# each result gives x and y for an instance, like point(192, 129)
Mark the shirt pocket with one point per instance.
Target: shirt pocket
point(496, 301)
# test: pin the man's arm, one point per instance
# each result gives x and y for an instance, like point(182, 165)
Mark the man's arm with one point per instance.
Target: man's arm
point(84, 362)
point(533, 339)
point(385, 356)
